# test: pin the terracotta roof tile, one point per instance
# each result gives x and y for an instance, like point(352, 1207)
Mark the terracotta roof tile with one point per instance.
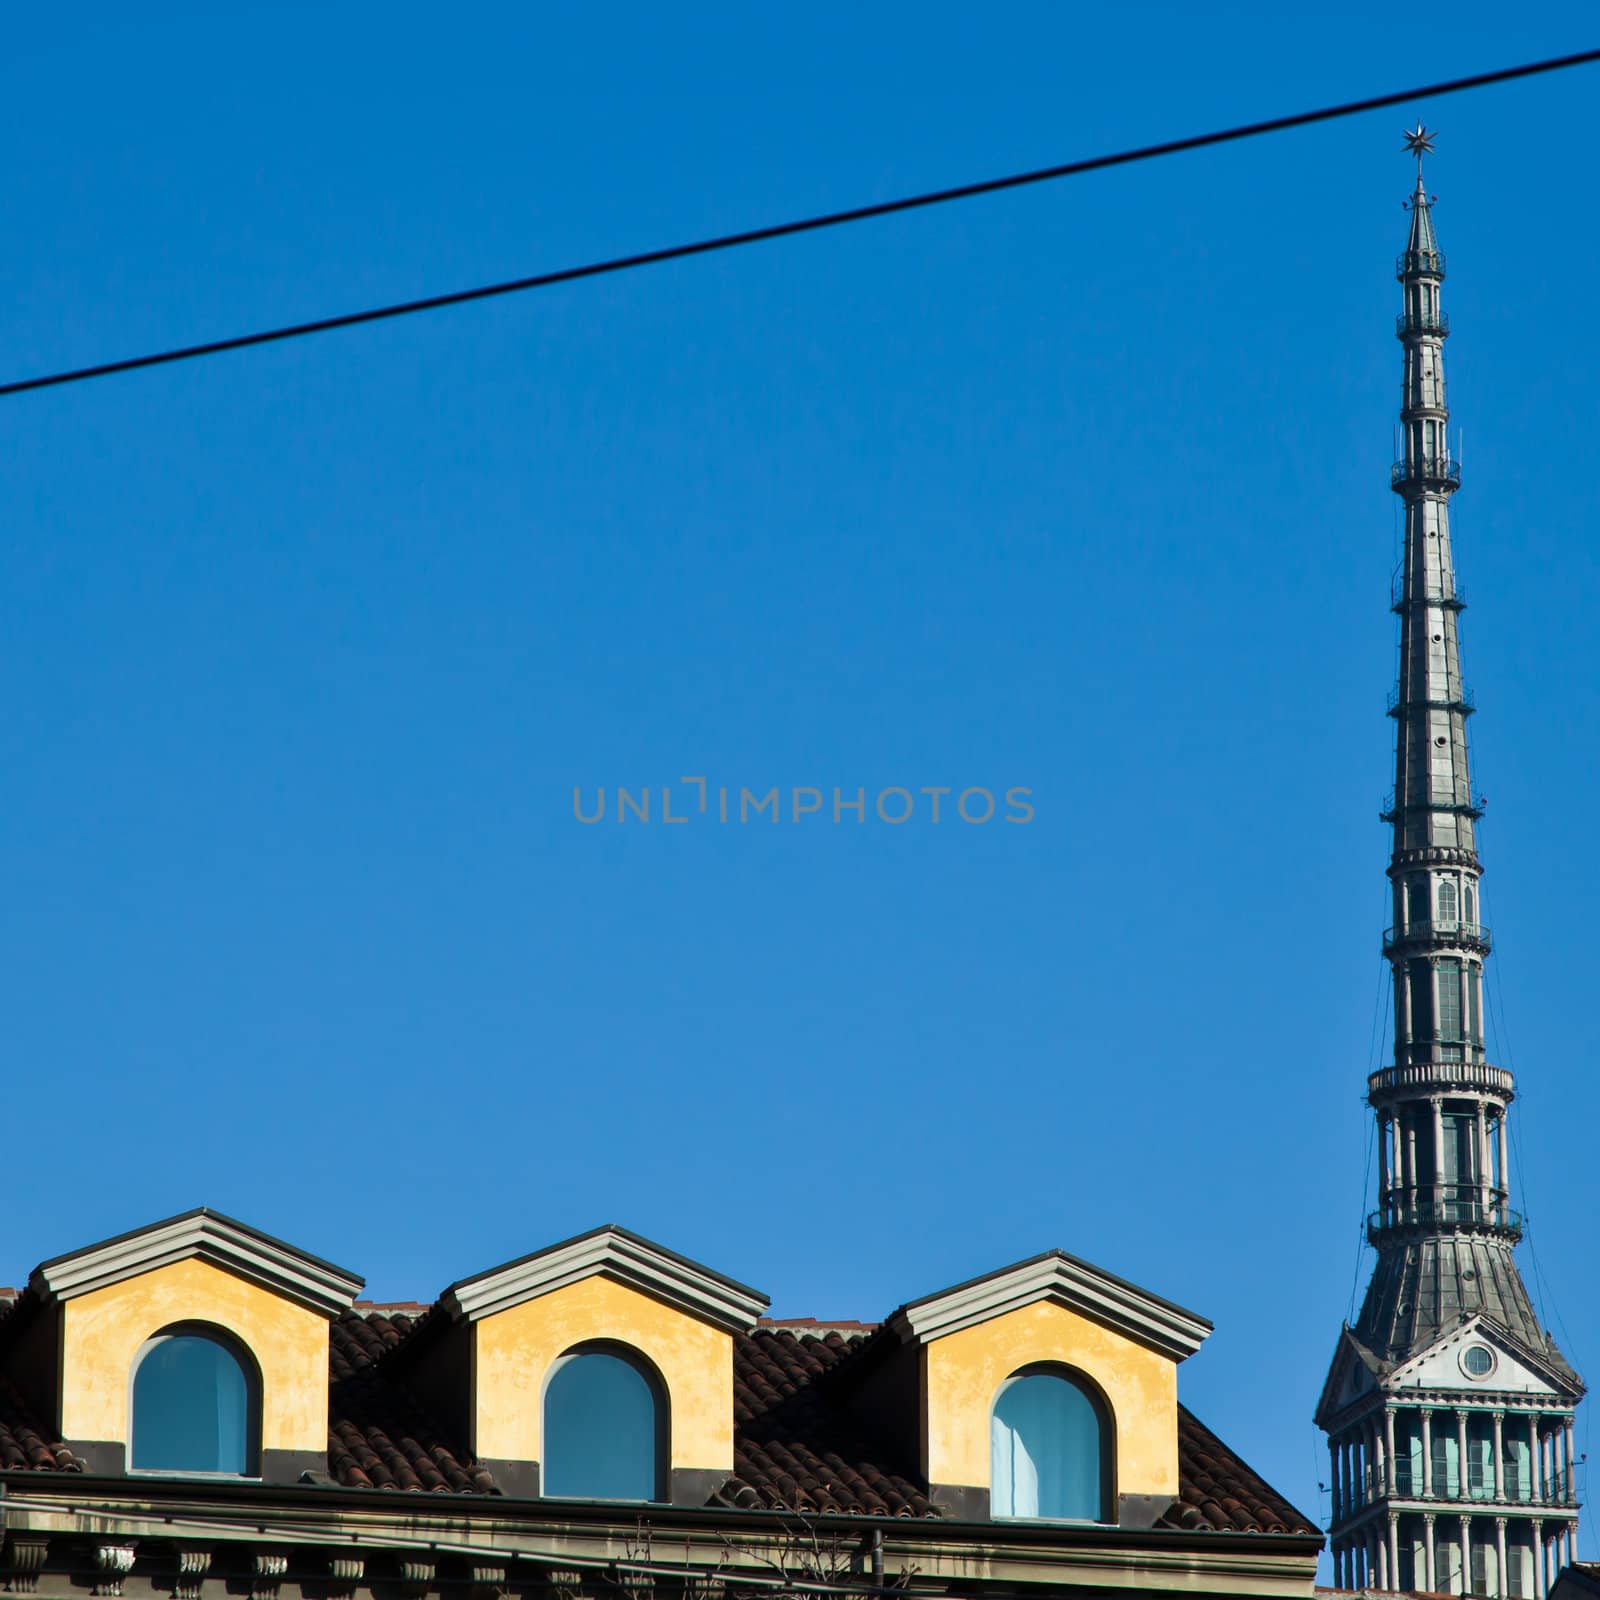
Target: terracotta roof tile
point(797, 1445)
point(1218, 1492)
point(22, 1446)
point(378, 1435)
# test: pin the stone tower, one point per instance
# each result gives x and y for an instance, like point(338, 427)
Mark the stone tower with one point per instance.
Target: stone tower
point(1448, 1409)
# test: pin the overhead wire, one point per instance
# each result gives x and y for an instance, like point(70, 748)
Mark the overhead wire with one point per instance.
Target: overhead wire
point(814, 224)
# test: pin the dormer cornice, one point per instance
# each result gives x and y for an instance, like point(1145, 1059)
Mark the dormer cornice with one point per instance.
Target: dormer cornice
point(626, 1258)
point(1059, 1279)
point(203, 1235)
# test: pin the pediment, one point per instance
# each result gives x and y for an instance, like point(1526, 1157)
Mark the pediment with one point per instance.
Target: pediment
point(614, 1253)
point(1446, 1364)
point(1354, 1373)
point(207, 1236)
point(1062, 1280)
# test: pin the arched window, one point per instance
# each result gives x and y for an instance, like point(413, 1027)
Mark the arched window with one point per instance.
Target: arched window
point(1447, 899)
point(196, 1405)
point(605, 1428)
point(1048, 1448)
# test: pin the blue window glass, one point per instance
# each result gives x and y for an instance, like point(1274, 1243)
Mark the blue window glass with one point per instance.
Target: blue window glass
point(1048, 1450)
point(604, 1430)
point(193, 1408)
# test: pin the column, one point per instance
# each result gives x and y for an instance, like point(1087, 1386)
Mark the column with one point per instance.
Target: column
point(1538, 1560)
point(1501, 1586)
point(1461, 1454)
point(1566, 1434)
point(1432, 1584)
point(1505, 1171)
point(1466, 1557)
point(1427, 1458)
point(1535, 1488)
point(1437, 1107)
point(1394, 1550)
point(1498, 1447)
point(1411, 1159)
point(1391, 1478)
point(1378, 1472)
point(1482, 1131)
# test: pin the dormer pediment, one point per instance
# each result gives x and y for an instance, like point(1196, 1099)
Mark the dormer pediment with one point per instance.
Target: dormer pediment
point(625, 1258)
point(200, 1235)
point(1056, 1278)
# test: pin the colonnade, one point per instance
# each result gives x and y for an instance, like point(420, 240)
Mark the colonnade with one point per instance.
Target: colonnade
point(1421, 1453)
point(1367, 1466)
point(1404, 1184)
point(1447, 1554)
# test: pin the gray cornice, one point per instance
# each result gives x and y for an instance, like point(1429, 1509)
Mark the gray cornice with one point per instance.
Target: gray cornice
point(610, 1252)
point(1065, 1281)
point(206, 1236)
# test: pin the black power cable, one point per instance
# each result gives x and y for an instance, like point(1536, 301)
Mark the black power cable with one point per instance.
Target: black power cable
point(783, 230)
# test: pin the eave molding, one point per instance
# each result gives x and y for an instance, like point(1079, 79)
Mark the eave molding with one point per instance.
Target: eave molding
point(202, 1235)
point(624, 1257)
point(1063, 1280)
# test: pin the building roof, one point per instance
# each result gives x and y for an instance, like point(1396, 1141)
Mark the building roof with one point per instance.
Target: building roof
point(799, 1445)
point(1423, 1289)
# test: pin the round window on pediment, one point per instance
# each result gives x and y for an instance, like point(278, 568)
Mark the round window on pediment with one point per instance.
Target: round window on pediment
point(1477, 1361)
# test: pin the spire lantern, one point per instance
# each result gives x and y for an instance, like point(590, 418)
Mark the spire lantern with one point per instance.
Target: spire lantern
point(1448, 1408)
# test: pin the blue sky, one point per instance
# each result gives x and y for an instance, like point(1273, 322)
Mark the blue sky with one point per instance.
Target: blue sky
point(1081, 489)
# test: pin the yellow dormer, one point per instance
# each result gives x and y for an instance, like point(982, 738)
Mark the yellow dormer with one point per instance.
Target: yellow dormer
point(194, 1345)
point(604, 1326)
point(1048, 1389)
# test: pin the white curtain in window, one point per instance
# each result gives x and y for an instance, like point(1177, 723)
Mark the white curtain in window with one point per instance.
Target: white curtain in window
point(1016, 1476)
point(1047, 1453)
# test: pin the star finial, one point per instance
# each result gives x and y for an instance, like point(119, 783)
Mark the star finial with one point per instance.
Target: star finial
point(1419, 140)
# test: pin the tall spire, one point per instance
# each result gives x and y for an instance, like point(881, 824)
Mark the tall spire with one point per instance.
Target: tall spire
point(1422, 249)
point(1448, 1408)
